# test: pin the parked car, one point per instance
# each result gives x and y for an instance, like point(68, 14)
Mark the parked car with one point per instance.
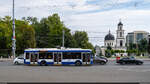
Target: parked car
point(104, 58)
point(18, 60)
point(128, 60)
point(100, 60)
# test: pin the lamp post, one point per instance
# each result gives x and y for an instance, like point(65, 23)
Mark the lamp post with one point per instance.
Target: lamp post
point(63, 38)
point(14, 37)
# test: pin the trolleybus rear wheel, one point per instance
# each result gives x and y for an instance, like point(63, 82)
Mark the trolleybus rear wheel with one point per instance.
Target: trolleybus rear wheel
point(43, 63)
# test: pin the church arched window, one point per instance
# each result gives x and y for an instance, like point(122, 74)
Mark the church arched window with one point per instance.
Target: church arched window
point(120, 27)
point(121, 43)
point(120, 34)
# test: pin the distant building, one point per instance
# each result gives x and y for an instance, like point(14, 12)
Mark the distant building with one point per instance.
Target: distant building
point(109, 40)
point(136, 36)
point(98, 50)
point(116, 44)
point(120, 40)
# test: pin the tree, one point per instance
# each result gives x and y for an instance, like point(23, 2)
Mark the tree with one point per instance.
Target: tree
point(143, 46)
point(25, 36)
point(82, 41)
point(69, 40)
point(112, 52)
point(42, 34)
point(148, 50)
point(108, 52)
point(5, 35)
point(131, 46)
point(33, 21)
point(109, 47)
point(46, 33)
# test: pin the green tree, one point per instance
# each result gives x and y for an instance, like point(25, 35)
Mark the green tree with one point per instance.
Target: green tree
point(82, 41)
point(131, 46)
point(25, 36)
point(148, 50)
point(108, 52)
point(69, 40)
point(49, 32)
point(143, 46)
point(5, 35)
point(46, 33)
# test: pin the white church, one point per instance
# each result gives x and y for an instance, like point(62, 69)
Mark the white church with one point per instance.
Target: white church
point(116, 44)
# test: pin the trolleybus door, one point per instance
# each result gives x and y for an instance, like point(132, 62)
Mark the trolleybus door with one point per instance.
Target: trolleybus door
point(85, 58)
point(57, 57)
point(33, 58)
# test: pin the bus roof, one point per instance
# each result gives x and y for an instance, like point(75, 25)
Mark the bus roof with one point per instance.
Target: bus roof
point(57, 50)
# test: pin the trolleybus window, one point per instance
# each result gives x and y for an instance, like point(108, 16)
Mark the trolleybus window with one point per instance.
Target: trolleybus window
point(42, 55)
point(66, 55)
point(76, 55)
point(45, 55)
point(71, 55)
point(27, 55)
point(49, 55)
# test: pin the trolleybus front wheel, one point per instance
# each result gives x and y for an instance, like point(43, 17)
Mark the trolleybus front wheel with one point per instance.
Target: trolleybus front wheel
point(78, 63)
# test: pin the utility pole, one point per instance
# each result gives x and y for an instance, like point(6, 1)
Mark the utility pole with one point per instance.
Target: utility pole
point(14, 37)
point(63, 38)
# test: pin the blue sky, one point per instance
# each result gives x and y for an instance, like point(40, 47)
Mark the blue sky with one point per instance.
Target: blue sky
point(94, 16)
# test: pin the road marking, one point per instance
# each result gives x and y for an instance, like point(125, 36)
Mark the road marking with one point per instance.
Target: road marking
point(134, 70)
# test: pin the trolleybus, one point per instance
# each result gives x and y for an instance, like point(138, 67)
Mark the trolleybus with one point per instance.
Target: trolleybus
point(55, 56)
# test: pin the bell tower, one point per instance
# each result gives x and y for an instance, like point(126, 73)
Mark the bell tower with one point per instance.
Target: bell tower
point(120, 40)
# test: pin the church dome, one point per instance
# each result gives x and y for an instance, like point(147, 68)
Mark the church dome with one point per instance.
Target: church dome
point(120, 23)
point(109, 37)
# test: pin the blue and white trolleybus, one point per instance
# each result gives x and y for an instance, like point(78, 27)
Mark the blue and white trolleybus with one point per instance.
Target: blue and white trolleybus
point(55, 56)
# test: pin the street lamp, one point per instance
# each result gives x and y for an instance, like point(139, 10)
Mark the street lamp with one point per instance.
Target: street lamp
point(63, 38)
point(14, 37)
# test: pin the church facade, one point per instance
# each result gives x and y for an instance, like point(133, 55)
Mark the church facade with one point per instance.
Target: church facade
point(116, 44)
point(120, 40)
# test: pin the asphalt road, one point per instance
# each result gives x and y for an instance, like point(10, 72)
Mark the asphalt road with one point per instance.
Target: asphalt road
point(111, 72)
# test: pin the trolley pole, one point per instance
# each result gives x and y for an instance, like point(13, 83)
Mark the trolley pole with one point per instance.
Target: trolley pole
point(63, 42)
point(14, 37)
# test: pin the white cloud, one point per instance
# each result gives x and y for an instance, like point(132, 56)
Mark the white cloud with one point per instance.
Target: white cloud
point(103, 21)
point(124, 1)
point(43, 8)
point(4, 9)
